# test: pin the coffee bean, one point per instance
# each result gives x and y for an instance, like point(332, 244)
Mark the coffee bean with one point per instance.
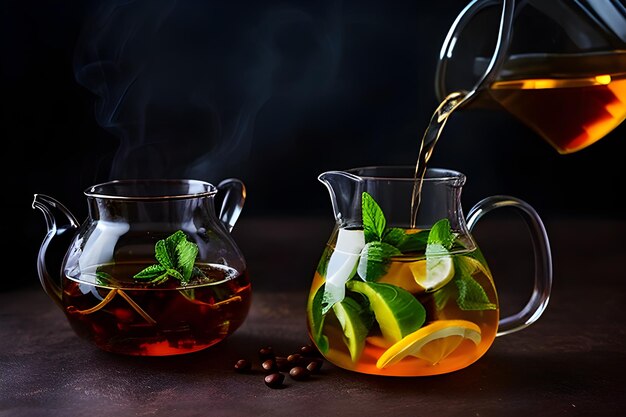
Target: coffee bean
point(274, 380)
point(283, 364)
point(308, 350)
point(314, 366)
point(294, 358)
point(243, 365)
point(299, 373)
point(266, 352)
point(269, 366)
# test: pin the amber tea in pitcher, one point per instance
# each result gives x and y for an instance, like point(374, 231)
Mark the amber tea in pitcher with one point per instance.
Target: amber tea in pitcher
point(421, 315)
point(399, 295)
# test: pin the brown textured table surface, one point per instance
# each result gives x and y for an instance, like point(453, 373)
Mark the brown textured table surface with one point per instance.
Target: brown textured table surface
point(572, 362)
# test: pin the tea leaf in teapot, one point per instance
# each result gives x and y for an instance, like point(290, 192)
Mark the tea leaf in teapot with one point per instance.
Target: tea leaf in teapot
point(186, 253)
point(374, 221)
point(374, 260)
point(162, 254)
point(472, 295)
point(151, 273)
point(176, 256)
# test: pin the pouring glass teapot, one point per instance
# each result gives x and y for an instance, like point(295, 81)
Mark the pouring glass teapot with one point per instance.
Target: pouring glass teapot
point(152, 270)
point(558, 66)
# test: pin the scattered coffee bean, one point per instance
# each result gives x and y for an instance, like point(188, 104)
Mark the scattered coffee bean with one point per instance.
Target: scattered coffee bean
point(283, 364)
point(299, 373)
point(294, 358)
point(299, 365)
point(269, 366)
point(314, 366)
point(274, 380)
point(266, 353)
point(243, 365)
point(308, 350)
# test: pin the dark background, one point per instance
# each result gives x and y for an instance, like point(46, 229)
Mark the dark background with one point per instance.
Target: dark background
point(273, 93)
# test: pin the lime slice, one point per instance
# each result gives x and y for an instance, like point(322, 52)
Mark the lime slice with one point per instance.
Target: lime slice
point(432, 343)
point(355, 322)
point(316, 320)
point(397, 312)
point(436, 271)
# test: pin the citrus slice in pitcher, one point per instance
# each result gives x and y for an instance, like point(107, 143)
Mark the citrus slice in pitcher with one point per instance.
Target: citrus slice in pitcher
point(433, 342)
point(432, 274)
point(397, 312)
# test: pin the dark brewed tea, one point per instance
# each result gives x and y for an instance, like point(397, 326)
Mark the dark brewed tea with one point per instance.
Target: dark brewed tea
point(571, 100)
point(106, 306)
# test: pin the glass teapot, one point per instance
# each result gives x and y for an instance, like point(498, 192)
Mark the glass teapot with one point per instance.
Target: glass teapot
point(558, 66)
point(390, 299)
point(152, 270)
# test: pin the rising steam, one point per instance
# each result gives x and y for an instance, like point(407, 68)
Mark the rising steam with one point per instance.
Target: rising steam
point(181, 83)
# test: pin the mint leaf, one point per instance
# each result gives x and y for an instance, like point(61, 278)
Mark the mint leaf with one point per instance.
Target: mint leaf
point(316, 321)
point(186, 253)
point(176, 256)
point(374, 221)
point(150, 273)
point(394, 236)
point(441, 234)
point(322, 265)
point(174, 273)
point(374, 261)
point(414, 242)
point(472, 295)
point(170, 243)
point(163, 255)
point(104, 278)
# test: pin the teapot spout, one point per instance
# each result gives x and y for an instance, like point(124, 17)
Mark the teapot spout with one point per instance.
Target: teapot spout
point(59, 221)
point(345, 195)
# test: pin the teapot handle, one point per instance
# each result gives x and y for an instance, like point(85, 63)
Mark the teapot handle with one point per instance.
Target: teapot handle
point(49, 206)
point(498, 56)
point(232, 202)
point(542, 254)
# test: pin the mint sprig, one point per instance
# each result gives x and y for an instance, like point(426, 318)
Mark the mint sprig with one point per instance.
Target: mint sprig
point(374, 261)
point(472, 295)
point(176, 257)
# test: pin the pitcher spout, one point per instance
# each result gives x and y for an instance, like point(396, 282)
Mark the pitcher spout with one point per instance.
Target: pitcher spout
point(59, 221)
point(345, 191)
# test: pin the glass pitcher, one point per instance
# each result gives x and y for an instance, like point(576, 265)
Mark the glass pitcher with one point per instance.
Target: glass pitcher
point(152, 270)
point(558, 66)
point(388, 299)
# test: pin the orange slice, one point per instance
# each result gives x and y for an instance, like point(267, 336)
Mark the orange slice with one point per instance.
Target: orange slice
point(433, 342)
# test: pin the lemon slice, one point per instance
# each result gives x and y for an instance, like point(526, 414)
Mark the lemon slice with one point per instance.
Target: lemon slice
point(433, 273)
point(433, 342)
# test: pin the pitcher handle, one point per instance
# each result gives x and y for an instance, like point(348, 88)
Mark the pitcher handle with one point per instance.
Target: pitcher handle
point(232, 203)
point(542, 255)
